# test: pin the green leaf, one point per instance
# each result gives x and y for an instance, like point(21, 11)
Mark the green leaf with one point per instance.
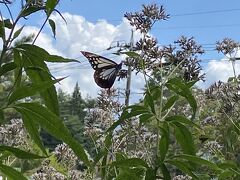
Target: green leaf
point(191, 83)
point(16, 34)
point(184, 138)
point(37, 60)
point(182, 89)
point(120, 156)
point(20, 153)
point(130, 174)
point(171, 101)
point(145, 117)
point(183, 166)
point(7, 67)
point(131, 54)
point(150, 174)
point(26, 91)
point(53, 125)
point(132, 162)
point(197, 160)
point(135, 110)
point(38, 52)
point(148, 101)
point(226, 174)
point(103, 165)
point(6, 23)
point(114, 125)
point(53, 27)
point(164, 141)
point(1, 116)
point(50, 6)
point(17, 57)
point(32, 129)
point(181, 119)
point(108, 141)
point(59, 59)
point(11, 172)
point(227, 164)
point(31, 9)
point(165, 172)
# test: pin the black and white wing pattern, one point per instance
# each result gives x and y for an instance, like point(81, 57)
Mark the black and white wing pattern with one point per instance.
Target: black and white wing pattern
point(106, 70)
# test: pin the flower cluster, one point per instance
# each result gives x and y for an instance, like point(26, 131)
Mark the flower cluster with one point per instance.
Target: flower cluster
point(210, 120)
point(47, 172)
point(213, 147)
point(145, 19)
point(66, 156)
point(13, 134)
point(229, 96)
point(182, 177)
point(227, 46)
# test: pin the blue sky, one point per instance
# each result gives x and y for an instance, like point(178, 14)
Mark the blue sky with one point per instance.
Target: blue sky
point(206, 20)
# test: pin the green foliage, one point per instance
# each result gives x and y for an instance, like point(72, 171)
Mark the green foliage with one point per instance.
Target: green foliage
point(11, 172)
point(155, 138)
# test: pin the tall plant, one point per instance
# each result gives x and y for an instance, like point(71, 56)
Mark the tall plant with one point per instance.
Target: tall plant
point(30, 60)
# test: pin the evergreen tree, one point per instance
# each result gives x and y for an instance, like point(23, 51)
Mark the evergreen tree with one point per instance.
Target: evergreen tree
point(77, 104)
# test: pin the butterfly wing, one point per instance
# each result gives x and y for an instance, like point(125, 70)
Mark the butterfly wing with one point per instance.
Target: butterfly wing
point(106, 70)
point(106, 77)
point(98, 62)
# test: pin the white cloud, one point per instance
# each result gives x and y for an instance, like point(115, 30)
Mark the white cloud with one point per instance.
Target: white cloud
point(81, 35)
point(218, 70)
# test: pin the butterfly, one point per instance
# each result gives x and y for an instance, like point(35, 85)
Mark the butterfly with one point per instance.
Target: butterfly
point(106, 70)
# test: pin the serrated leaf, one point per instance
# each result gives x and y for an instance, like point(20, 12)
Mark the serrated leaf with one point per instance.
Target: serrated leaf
point(131, 54)
point(103, 166)
point(20, 153)
point(27, 91)
point(183, 166)
point(53, 27)
point(180, 88)
point(50, 6)
point(33, 131)
point(130, 174)
point(226, 174)
point(132, 162)
point(17, 33)
point(1, 116)
point(165, 172)
point(145, 117)
point(170, 102)
point(227, 164)
point(59, 59)
point(11, 173)
point(164, 141)
point(184, 138)
point(49, 95)
point(108, 141)
point(6, 23)
point(197, 160)
point(7, 67)
point(38, 52)
point(135, 111)
point(120, 156)
point(181, 119)
point(150, 174)
point(148, 102)
point(114, 125)
point(17, 57)
point(31, 9)
point(53, 125)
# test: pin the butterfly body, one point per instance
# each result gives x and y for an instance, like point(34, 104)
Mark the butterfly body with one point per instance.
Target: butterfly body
point(106, 70)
